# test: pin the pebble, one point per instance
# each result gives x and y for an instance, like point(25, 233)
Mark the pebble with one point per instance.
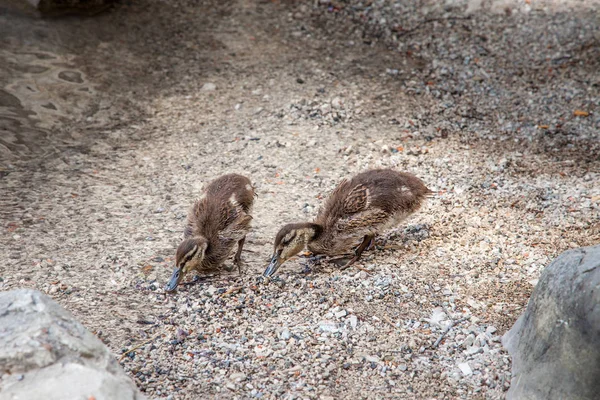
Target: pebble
point(465, 369)
point(328, 326)
point(373, 359)
point(353, 321)
point(209, 87)
point(469, 340)
point(473, 350)
point(337, 103)
point(238, 377)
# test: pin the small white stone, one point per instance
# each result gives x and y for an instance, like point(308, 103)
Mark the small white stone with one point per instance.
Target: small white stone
point(469, 340)
point(472, 350)
point(337, 103)
point(465, 369)
point(211, 290)
point(374, 359)
point(238, 377)
point(209, 87)
point(353, 321)
point(328, 326)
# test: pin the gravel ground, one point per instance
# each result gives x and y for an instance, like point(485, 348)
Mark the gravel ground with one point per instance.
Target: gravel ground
point(114, 123)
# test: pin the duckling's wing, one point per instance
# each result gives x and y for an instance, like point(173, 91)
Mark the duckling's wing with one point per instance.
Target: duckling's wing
point(234, 221)
point(357, 200)
point(367, 220)
point(358, 214)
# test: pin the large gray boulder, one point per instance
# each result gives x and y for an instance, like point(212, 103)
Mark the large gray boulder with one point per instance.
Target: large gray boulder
point(555, 344)
point(46, 354)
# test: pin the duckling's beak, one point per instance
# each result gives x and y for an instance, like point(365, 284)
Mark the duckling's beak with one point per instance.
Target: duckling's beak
point(175, 279)
point(274, 265)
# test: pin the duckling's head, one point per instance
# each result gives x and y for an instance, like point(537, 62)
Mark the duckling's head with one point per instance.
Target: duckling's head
point(290, 240)
point(190, 254)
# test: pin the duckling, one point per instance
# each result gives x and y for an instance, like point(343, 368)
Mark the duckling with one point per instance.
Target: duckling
point(356, 211)
point(216, 222)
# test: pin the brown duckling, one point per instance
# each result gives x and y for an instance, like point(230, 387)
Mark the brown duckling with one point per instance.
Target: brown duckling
point(217, 221)
point(356, 211)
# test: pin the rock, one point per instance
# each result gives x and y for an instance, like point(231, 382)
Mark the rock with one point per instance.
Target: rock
point(325, 109)
point(46, 354)
point(285, 334)
point(238, 377)
point(353, 321)
point(209, 87)
point(469, 340)
point(555, 344)
point(337, 103)
point(328, 326)
point(373, 359)
point(473, 350)
point(465, 368)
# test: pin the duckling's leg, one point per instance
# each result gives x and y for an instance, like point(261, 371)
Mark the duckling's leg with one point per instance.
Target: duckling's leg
point(367, 240)
point(237, 260)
